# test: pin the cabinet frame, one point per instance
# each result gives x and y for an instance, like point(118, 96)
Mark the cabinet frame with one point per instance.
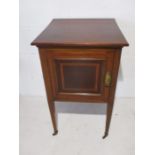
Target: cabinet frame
point(104, 55)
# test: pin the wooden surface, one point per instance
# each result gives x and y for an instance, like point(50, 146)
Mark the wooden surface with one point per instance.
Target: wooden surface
point(81, 32)
point(75, 73)
point(103, 58)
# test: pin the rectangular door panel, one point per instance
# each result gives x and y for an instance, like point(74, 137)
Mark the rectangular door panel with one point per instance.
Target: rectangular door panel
point(77, 75)
point(80, 74)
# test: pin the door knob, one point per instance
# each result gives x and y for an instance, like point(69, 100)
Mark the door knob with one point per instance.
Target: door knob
point(108, 79)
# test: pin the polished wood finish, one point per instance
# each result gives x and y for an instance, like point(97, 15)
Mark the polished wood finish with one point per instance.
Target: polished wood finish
point(76, 55)
point(78, 75)
point(100, 57)
point(81, 32)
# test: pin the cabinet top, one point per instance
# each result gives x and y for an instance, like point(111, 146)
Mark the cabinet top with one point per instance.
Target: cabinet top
point(81, 32)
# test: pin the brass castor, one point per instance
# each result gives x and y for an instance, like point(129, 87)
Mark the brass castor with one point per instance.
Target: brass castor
point(55, 133)
point(106, 134)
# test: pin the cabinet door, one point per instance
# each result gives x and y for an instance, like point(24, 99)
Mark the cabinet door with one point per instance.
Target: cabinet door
point(79, 74)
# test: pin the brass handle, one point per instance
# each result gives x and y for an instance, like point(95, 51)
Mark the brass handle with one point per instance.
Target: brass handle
point(108, 79)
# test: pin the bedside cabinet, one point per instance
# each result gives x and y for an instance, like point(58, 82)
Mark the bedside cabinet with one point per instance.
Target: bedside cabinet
point(80, 61)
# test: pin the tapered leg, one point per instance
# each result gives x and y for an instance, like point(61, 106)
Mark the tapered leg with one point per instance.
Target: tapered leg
point(53, 117)
point(117, 56)
point(49, 90)
point(108, 119)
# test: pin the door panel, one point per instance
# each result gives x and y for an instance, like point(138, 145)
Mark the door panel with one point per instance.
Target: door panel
point(78, 75)
point(79, 72)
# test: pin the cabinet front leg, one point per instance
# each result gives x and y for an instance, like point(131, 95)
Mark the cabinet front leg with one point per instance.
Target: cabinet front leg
point(53, 117)
point(108, 119)
point(117, 56)
point(48, 86)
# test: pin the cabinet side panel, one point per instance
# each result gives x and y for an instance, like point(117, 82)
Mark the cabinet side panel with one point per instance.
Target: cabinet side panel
point(46, 76)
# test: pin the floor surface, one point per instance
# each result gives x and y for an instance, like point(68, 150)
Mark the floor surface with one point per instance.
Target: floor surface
point(81, 127)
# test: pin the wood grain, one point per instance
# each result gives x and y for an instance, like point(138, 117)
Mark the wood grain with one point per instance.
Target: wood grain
point(75, 56)
point(81, 32)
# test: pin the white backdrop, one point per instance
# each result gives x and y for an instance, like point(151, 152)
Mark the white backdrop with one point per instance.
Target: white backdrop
point(35, 16)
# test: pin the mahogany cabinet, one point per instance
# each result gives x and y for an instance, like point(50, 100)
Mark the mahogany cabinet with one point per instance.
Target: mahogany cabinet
point(80, 60)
